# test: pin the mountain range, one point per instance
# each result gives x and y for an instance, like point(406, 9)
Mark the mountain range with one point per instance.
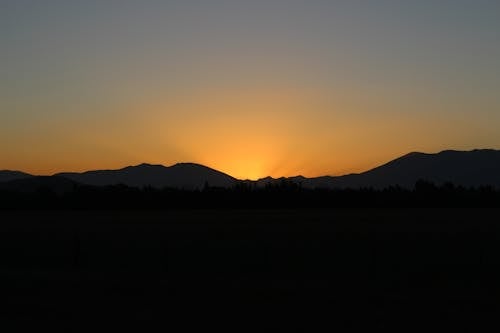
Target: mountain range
point(467, 168)
point(182, 175)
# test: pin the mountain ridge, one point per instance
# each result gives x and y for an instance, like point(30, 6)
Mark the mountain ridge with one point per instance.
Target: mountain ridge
point(468, 168)
point(461, 167)
point(8, 175)
point(181, 175)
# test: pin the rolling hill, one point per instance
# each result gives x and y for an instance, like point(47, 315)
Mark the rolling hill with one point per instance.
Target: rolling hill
point(8, 175)
point(466, 168)
point(31, 184)
point(181, 175)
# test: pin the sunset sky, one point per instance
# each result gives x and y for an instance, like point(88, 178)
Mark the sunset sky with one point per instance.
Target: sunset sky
point(251, 88)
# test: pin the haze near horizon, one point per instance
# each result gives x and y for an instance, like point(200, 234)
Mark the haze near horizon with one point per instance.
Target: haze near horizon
point(251, 88)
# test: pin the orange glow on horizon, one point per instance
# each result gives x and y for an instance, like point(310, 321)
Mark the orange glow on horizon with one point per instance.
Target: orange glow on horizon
point(249, 88)
point(247, 132)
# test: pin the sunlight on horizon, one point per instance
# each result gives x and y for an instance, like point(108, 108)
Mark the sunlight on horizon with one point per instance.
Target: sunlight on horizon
point(253, 89)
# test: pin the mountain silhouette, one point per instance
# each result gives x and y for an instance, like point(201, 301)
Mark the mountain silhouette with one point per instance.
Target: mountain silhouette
point(467, 168)
point(181, 175)
point(8, 175)
point(54, 184)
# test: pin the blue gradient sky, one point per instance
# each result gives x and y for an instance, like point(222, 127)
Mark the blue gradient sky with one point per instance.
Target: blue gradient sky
point(252, 88)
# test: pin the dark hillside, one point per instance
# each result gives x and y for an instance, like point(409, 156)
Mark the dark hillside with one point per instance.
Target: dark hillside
point(182, 175)
point(7, 175)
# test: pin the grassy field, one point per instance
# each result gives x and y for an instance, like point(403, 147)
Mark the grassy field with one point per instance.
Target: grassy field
point(236, 270)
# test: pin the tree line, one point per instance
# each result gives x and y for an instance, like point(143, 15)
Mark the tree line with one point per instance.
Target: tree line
point(282, 194)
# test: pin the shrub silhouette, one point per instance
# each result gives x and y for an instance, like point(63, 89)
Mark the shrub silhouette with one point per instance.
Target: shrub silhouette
point(282, 194)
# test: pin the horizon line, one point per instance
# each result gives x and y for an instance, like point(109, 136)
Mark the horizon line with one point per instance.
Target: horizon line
point(245, 179)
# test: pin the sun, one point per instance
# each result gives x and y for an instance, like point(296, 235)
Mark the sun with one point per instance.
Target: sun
point(241, 164)
point(249, 168)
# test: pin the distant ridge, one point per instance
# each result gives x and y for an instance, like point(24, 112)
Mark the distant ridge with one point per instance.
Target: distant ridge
point(8, 175)
point(466, 168)
point(181, 175)
point(54, 184)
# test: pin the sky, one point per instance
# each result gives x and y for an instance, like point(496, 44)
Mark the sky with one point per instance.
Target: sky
point(251, 88)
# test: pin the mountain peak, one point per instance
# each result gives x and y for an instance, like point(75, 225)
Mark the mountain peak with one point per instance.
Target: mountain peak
point(145, 166)
point(467, 168)
point(189, 164)
point(180, 175)
point(413, 154)
point(8, 175)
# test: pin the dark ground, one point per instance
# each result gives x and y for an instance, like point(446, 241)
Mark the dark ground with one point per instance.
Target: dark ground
point(404, 270)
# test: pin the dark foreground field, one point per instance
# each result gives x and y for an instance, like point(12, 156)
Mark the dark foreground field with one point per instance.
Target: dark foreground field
point(407, 270)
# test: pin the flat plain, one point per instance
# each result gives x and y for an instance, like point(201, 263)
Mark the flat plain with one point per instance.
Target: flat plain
point(248, 270)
